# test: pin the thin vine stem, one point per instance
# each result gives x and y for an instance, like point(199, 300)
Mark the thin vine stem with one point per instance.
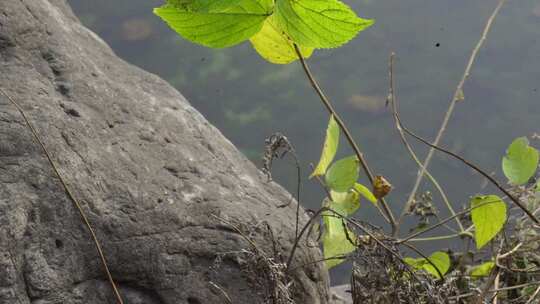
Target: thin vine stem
point(458, 95)
point(493, 181)
point(70, 195)
point(392, 99)
point(346, 132)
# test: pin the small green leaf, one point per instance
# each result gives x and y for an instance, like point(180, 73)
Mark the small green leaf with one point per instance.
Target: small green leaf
point(274, 46)
point(348, 202)
point(415, 263)
point(537, 187)
point(343, 174)
point(488, 216)
point(319, 23)
point(482, 270)
point(440, 259)
point(520, 161)
point(365, 192)
point(336, 240)
point(215, 24)
point(330, 147)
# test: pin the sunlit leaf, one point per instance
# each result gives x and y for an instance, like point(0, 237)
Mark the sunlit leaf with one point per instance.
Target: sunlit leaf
point(488, 216)
point(337, 240)
point(342, 175)
point(520, 162)
point(216, 24)
point(274, 46)
point(330, 147)
point(365, 192)
point(440, 259)
point(319, 23)
point(482, 270)
point(348, 202)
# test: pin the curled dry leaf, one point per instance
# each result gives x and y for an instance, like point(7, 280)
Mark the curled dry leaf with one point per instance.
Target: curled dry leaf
point(381, 187)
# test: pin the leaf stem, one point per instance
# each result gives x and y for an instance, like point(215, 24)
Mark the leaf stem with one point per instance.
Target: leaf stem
point(347, 133)
point(397, 121)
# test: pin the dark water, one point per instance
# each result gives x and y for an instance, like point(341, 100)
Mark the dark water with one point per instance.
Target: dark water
point(249, 99)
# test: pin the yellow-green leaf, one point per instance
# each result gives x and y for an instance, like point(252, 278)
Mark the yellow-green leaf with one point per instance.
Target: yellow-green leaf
point(365, 192)
point(440, 259)
point(216, 24)
point(342, 175)
point(482, 270)
point(274, 46)
point(319, 23)
point(336, 240)
point(520, 162)
point(348, 202)
point(488, 216)
point(330, 147)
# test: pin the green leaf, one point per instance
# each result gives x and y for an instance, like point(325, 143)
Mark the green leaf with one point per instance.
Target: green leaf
point(343, 174)
point(520, 162)
point(336, 240)
point(440, 259)
point(488, 216)
point(482, 270)
point(274, 46)
point(365, 192)
point(319, 23)
point(213, 23)
point(331, 143)
point(347, 202)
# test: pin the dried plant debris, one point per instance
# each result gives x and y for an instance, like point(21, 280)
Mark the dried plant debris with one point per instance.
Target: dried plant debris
point(266, 273)
point(423, 208)
point(276, 147)
point(380, 276)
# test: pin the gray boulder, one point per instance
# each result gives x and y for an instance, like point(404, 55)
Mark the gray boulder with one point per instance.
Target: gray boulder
point(151, 173)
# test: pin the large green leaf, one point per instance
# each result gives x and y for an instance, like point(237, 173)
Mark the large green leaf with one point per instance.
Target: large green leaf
point(482, 270)
point(319, 23)
point(440, 259)
point(213, 23)
point(343, 174)
point(520, 161)
point(330, 147)
point(336, 240)
point(488, 216)
point(274, 46)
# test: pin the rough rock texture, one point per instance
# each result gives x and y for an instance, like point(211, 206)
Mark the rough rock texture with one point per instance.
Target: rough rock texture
point(341, 294)
point(148, 169)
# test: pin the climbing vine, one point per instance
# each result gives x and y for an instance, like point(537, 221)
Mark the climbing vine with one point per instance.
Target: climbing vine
point(283, 31)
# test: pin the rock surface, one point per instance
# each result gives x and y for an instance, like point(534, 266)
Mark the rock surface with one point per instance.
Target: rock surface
point(149, 170)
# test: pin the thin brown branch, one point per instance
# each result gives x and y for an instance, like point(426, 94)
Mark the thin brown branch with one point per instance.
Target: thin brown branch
point(345, 130)
point(441, 223)
point(458, 95)
point(392, 99)
point(222, 291)
point(492, 180)
point(70, 195)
